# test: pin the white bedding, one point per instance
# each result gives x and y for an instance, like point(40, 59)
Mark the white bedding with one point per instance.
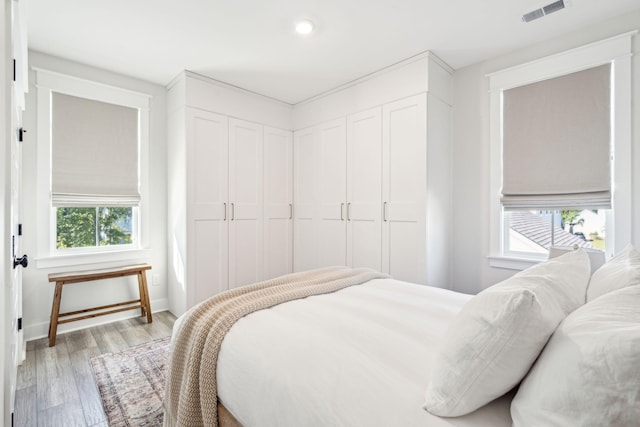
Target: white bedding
point(357, 357)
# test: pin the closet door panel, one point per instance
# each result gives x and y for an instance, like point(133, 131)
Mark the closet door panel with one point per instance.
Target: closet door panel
point(246, 202)
point(207, 194)
point(405, 189)
point(305, 199)
point(332, 189)
point(278, 196)
point(364, 189)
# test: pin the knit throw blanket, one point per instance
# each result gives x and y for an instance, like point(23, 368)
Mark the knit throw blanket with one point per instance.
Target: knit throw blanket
point(191, 389)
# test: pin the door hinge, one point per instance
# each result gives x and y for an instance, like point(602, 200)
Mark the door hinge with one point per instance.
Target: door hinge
point(19, 324)
point(14, 70)
point(21, 133)
point(12, 419)
point(19, 229)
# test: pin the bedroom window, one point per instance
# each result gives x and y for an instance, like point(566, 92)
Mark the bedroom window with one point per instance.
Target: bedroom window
point(94, 172)
point(92, 164)
point(560, 170)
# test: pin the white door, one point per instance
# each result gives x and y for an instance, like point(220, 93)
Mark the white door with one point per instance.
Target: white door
point(15, 341)
point(15, 338)
point(332, 193)
point(246, 203)
point(208, 210)
point(404, 180)
point(304, 199)
point(278, 199)
point(364, 189)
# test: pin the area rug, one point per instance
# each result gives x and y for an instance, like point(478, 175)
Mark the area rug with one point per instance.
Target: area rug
point(131, 383)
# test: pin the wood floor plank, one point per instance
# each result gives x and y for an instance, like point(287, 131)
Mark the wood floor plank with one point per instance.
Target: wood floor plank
point(157, 329)
point(80, 340)
point(87, 390)
point(132, 332)
point(108, 338)
point(27, 371)
point(55, 381)
point(26, 413)
point(167, 318)
point(68, 414)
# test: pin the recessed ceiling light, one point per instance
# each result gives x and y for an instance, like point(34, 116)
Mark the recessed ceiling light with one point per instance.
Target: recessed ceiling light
point(304, 27)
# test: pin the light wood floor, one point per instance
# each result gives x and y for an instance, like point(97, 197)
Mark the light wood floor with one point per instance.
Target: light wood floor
point(55, 385)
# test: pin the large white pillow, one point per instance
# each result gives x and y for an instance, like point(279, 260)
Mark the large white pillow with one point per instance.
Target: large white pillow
point(621, 271)
point(589, 372)
point(492, 343)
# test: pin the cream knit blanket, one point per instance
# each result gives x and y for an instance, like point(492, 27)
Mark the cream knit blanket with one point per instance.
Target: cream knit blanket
point(191, 388)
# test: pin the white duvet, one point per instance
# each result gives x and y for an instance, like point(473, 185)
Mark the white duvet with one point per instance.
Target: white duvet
point(358, 357)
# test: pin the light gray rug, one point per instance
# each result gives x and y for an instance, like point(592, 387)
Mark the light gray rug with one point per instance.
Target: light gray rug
point(131, 383)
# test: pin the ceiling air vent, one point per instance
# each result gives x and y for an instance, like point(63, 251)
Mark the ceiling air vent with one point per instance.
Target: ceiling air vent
point(545, 10)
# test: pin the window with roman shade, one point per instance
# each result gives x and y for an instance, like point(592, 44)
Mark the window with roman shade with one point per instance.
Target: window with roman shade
point(556, 139)
point(94, 156)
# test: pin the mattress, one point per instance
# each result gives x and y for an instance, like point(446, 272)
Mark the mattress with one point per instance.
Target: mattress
point(357, 357)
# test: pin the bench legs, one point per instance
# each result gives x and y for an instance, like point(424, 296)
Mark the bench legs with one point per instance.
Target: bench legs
point(145, 308)
point(55, 310)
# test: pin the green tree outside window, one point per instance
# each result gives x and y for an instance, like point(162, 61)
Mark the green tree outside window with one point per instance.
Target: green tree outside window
point(99, 226)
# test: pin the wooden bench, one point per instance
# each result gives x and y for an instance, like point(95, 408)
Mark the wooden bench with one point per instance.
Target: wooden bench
point(87, 276)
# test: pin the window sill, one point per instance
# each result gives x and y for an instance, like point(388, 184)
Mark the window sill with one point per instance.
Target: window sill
point(512, 263)
point(70, 260)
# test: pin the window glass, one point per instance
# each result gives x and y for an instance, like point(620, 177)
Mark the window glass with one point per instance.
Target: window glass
point(84, 227)
point(534, 232)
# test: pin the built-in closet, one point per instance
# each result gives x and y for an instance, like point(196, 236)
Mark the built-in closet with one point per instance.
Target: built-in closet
point(360, 176)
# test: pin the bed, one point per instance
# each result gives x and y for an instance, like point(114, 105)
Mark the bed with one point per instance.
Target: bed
point(363, 355)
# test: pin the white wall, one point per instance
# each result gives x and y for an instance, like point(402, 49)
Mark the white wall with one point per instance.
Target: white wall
point(471, 272)
point(37, 291)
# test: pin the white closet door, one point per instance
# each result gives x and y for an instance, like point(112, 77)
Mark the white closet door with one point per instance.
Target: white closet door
point(278, 196)
point(207, 194)
point(332, 193)
point(304, 196)
point(364, 189)
point(246, 203)
point(404, 195)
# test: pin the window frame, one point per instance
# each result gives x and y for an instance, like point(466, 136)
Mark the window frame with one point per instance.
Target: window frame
point(48, 256)
point(615, 50)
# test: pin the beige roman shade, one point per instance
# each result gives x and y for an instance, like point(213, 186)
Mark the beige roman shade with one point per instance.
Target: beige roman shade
point(556, 142)
point(94, 153)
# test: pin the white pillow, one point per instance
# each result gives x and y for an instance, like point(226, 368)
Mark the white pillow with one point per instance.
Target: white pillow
point(589, 372)
point(621, 271)
point(491, 344)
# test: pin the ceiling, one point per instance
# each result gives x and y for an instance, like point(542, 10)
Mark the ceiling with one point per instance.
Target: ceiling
point(252, 43)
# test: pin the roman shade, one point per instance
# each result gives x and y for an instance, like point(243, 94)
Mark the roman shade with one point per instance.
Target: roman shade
point(94, 153)
point(556, 142)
